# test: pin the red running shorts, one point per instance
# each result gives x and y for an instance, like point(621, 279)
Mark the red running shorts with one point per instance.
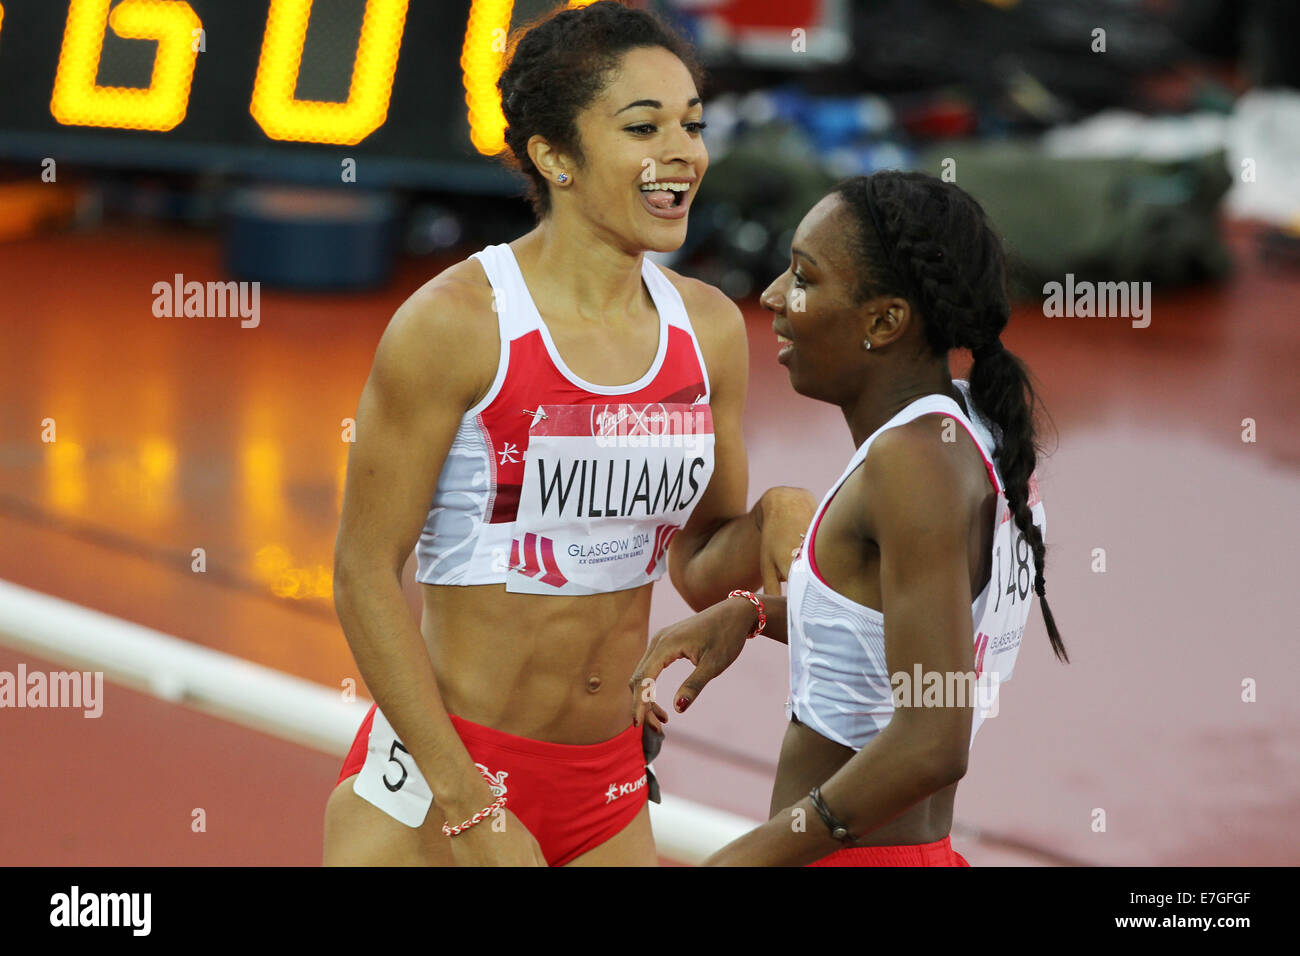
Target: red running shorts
point(939, 853)
point(571, 797)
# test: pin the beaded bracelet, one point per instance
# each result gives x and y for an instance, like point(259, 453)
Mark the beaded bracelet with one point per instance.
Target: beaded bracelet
point(762, 611)
point(476, 818)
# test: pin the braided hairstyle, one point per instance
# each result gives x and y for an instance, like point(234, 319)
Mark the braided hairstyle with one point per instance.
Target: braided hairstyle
point(558, 64)
point(930, 242)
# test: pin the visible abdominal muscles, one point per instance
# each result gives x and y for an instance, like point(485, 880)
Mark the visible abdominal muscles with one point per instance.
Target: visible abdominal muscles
point(540, 666)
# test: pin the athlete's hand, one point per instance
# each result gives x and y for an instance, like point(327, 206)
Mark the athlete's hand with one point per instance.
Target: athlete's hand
point(497, 841)
point(710, 640)
point(782, 515)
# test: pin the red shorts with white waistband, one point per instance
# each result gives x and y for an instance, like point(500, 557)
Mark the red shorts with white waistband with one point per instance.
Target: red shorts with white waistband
point(939, 853)
point(571, 797)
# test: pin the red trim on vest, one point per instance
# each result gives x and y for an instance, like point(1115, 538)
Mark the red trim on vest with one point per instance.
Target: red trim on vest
point(532, 379)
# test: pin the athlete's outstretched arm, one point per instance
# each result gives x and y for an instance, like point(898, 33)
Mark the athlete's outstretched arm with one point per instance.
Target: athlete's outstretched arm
point(726, 545)
point(921, 512)
point(434, 360)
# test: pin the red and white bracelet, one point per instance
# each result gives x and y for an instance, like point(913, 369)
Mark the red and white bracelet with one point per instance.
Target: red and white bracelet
point(762, 611)
point(476, 818)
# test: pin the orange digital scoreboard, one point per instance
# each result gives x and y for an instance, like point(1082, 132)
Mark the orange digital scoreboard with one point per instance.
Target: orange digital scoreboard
point(284, 88)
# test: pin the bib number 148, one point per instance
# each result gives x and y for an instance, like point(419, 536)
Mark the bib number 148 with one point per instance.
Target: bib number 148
point(1019, 575)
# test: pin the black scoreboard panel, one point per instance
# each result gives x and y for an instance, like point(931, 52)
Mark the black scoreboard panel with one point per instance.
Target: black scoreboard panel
point(275, 88)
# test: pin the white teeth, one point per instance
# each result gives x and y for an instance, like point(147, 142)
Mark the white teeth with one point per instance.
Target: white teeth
point(671, 187)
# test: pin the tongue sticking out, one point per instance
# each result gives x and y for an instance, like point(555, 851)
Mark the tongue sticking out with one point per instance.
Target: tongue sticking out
point(659, 198)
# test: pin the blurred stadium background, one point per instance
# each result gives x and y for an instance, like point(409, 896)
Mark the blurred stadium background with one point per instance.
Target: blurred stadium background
point(169, 486)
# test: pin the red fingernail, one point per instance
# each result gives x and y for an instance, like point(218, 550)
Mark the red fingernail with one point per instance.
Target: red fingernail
point(682, 704)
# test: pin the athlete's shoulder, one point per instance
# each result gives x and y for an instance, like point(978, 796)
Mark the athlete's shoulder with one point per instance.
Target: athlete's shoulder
point(705, 304)
point(714, 316)
point(912, 466)
point(926, 439)
point(459, 295)
point(446, 329)
point(454, 308)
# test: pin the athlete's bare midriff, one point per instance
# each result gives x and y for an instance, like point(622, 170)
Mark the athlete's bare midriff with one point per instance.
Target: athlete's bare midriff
point(808, 760)
point(546, 667)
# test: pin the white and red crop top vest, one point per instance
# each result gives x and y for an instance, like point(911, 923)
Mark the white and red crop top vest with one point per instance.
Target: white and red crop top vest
point(840, 683)
point(555, 485)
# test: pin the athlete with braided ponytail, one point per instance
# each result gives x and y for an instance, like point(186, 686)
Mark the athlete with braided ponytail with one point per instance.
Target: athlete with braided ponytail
point(910, 593)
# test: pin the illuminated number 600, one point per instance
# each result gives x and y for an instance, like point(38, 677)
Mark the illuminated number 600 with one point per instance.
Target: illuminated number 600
point(284, 117)
point(78, 101)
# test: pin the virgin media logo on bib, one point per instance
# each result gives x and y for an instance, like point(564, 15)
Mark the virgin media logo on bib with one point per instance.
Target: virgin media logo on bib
point(650, 426)
point(605, 488)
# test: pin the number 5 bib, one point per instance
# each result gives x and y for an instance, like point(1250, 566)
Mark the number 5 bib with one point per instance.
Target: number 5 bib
point(605, 489)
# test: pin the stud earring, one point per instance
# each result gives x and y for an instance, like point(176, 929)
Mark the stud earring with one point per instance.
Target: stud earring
point(562, 178)
point(866, 344)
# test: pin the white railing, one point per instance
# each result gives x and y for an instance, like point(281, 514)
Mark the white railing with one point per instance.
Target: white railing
point(260, 697)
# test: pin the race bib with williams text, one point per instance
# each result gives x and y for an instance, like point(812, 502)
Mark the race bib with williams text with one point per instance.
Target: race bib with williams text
point(605, 489)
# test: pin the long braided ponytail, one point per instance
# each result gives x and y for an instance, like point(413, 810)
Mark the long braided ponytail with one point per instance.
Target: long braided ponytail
point(930, 242)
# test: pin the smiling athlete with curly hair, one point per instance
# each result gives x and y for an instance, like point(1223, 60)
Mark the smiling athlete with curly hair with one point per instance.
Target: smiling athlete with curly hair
point(551, 424)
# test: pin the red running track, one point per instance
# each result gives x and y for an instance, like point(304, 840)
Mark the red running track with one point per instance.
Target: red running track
point(184, 433)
